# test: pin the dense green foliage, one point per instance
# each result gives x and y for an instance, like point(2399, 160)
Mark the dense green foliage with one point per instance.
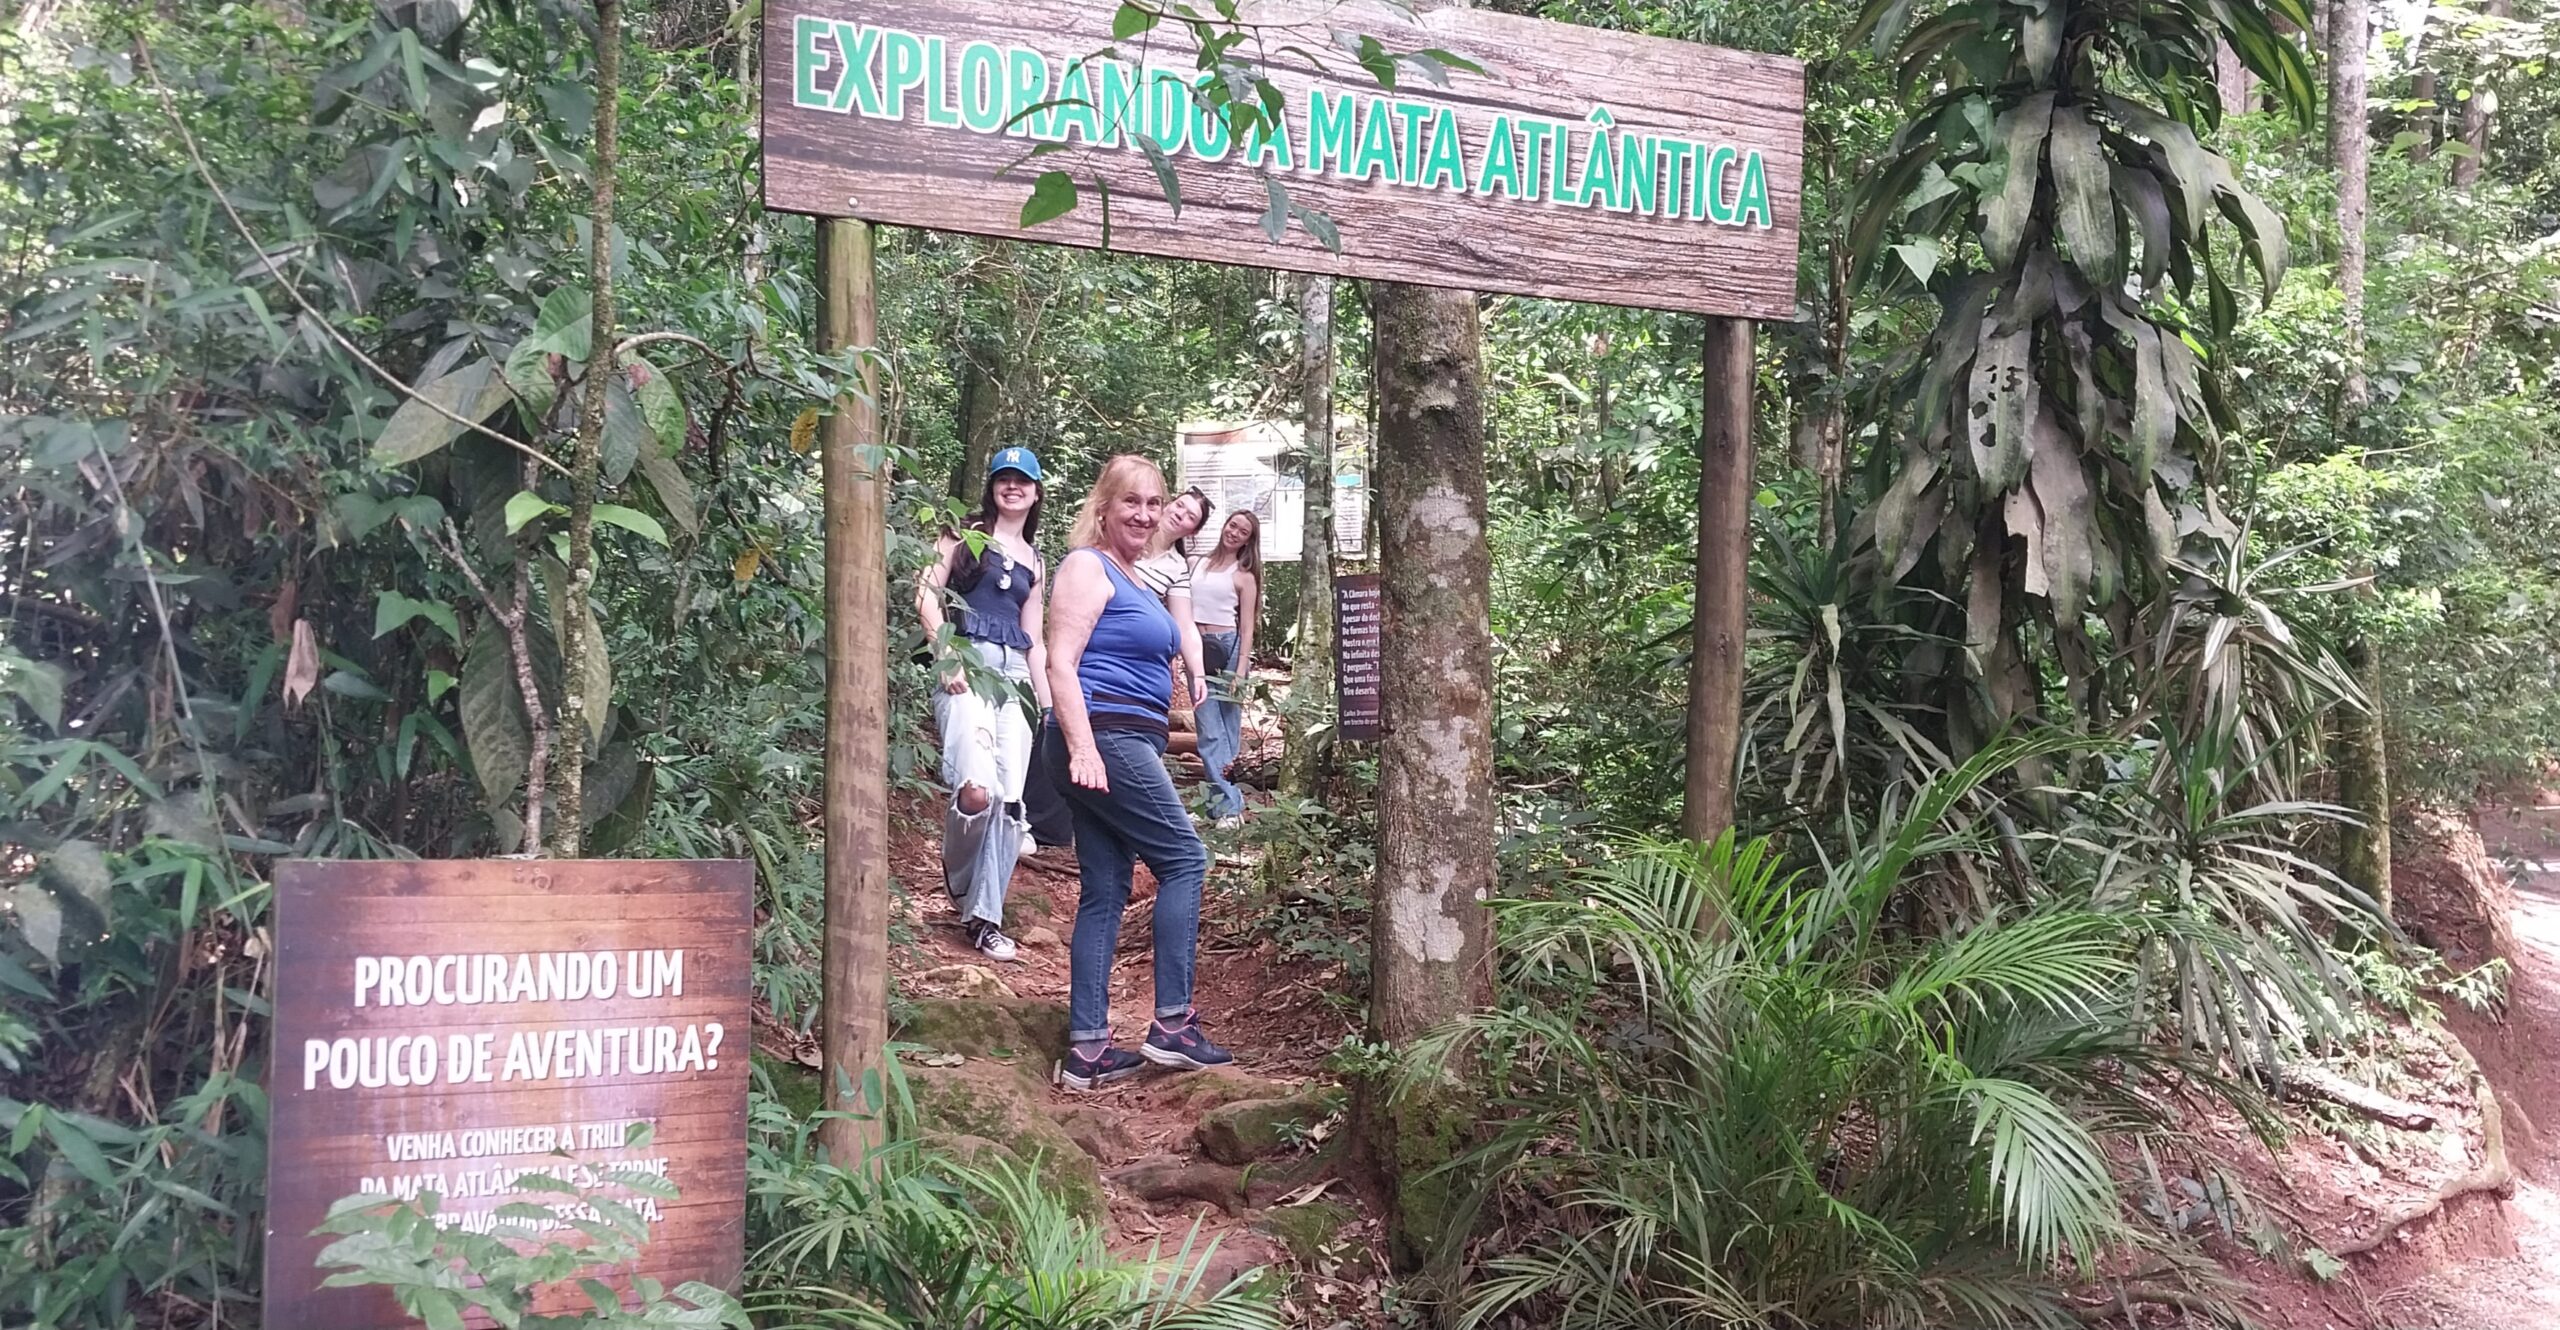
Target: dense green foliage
point(2034, 456)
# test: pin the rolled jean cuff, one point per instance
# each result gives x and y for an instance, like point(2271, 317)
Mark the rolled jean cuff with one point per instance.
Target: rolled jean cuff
point(1168, 1013)
point(1087, 1036)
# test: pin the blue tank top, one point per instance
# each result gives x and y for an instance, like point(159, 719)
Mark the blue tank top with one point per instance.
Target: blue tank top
point(1126, 672)
point(991, 611)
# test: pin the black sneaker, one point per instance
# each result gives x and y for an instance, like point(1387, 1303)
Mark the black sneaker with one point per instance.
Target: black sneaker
point(1080, 1073)
point(1186, 1047)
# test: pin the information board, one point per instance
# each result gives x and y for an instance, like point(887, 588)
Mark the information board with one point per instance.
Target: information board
point(1250, 468)
point(1580, 164)
point(1359, 701)
point(451, 1026)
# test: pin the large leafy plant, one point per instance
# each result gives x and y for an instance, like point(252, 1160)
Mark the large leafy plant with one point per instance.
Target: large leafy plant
point(2055, 196)
point(1732, 1095)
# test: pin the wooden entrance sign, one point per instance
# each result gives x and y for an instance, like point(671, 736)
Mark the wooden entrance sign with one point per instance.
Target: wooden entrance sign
point(451, 1026)
point(1358, 686)
point(1581, 164)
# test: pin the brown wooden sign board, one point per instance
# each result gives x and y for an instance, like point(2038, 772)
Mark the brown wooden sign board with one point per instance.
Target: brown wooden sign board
point(448, 1026)
point(1581, 164)
point(1359, 697)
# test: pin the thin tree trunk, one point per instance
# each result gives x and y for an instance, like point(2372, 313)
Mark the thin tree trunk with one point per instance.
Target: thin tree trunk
point(2364, 772)
point(1302, 761)
point(577, 644)
point(856, 961)
point(2422, 88)
point(2233, 81)
point(2475, 118)
point(2349, 152)
point(1721, 608)
point(980, 411)
point(1432, 941)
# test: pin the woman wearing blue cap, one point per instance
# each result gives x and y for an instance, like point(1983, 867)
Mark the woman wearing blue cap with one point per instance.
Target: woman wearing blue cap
point(990, 574)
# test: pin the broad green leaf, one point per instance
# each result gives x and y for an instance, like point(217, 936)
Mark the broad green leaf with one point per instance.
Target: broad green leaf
point(1163, 167)
point(2003, 400)
point(493, 717)
point(2261, 230)
point(1053, 195)
point(416, 429)
point(2004, 215)
point(525, 507)
point(610, 778)
point(675, 493)
point(1131, 20)
point(38, 684)
point(392, 610)
point(2140, 193)
point(349, 684)
point(2069, 509)
point(626, 433)
point(2087, 200)
point(77, 872)
point(633, 520)
point(2190, 166)
point(78, 1150)
point(39, 919)
point(2041, 37)
point(528, 374)
point(660, 405)
point(564, 323)
point(1921, 254)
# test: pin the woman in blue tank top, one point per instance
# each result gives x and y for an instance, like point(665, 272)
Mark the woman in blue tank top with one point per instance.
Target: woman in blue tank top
point(989, 572)
point(1111, 642)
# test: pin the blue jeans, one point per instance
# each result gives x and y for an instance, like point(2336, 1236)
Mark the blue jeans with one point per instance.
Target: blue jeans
point(1139, 817)
point(1221, 724)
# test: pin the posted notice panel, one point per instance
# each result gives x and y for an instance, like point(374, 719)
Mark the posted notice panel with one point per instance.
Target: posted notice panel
point(451, 1026)
point(1580, 164)
point(1358, 687)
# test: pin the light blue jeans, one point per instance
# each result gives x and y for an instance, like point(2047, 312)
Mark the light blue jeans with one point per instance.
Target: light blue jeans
point(986, 742)
point(1221, 724)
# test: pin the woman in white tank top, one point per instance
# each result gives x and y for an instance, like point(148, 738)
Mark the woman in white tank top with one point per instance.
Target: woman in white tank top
point(1226, 601)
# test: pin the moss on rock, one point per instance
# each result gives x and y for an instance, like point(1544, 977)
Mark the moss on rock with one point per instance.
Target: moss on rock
point(1307, 1229)
point(1250, 1129)
point(1002, 1106)
point(796, 1087)
point(1025, 1031)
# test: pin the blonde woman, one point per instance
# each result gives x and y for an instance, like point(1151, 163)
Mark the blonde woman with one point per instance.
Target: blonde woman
point(1110, 643)
point(1226, 601)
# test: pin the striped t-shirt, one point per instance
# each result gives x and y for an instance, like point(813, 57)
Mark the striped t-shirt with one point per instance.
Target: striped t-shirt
point(1166, 574)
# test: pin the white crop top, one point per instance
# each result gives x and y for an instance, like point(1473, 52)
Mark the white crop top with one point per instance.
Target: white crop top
point(1213, 595)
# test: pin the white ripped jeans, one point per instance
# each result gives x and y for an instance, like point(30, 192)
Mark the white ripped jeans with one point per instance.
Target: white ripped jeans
point(986, 742)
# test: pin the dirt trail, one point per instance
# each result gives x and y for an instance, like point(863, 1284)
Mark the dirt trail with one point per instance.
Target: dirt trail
point(2517, 1288)
point(1274, 1012)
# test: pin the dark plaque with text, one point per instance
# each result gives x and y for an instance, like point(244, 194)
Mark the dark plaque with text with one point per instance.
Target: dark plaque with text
point(1355, 635)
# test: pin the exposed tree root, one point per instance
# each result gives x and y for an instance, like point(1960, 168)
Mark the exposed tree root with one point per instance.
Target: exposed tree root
point(2495, 1174)
point(2313, 1082)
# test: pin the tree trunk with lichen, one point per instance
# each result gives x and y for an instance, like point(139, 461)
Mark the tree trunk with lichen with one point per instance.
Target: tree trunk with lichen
point(2475, 118)
point(2364, 769)
point(575, 627)
point(1302, 760)
point(1431, 947)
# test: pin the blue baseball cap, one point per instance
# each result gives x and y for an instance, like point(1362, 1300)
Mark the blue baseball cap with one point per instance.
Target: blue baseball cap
point(1016, 458)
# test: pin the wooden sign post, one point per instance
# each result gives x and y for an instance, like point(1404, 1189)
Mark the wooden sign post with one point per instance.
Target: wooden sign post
point(1546, 159)
point(1581, 164)
point(1358, 687)
point(452, 1026)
